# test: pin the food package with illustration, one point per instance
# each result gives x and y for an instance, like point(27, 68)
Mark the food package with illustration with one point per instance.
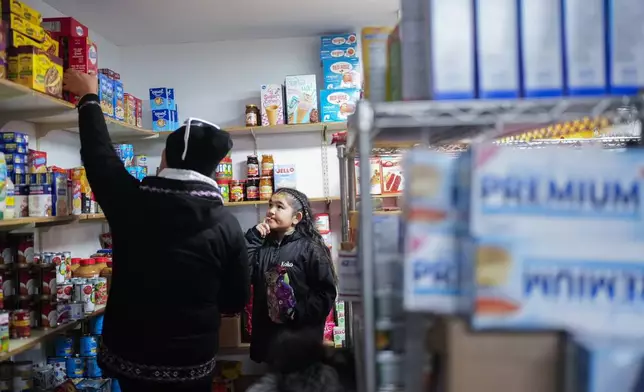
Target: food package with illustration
point(301, 99)
point(36, 69)
point(342, 73)
point(272, 104)
point(338, 105)
point(338, 45)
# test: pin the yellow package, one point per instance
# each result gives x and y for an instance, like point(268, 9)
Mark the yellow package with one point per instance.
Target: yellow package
point(23, 26)
point(22, 10)
point(394, 67)
point(39, 70)
point(374, 61)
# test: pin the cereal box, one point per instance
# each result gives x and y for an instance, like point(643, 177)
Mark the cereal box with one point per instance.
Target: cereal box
point(161, 120)
point(334, 41)
point(80, 54)
point(130, 108)
point(342, 73)
point(272, 104)
point(392, 174)
point(119, 101)
point(374, 61)
point(139, 112)
point(64, 27)
point(338, 105)
point(106, 94)
point(301, 99)
point(37, 161)
point(161, 98)
point(338, 52)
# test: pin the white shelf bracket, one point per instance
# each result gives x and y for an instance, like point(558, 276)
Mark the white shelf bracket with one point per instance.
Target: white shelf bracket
point(43, 129)
point(252, 133)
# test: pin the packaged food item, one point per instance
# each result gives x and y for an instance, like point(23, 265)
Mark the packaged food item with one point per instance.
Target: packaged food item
point(130, 108)
point(252, 115)
point(37, 161)
point(49, 285)
point(36, 69)
point(323, 223)
point(301, 99)
point(15, 137)
point(272, 104)
point(284, 176)
point(161, 121)
point(22, 10)
point(392, 175)
point(342, 73)
point(338, 105)
point(40, 200)
point(87, 270)
point(162, 98)
point(20, 324)
point(237, 191)
point(267, 165)
point(48, 312)
point(224, 171)
point(106, 94)
point(139, 112)
point(4, 332)
point(252, 167)
point(63, 346)
point(338, 52)
point(265, 187)
point(88, 346)
point(119, 101)
point(64, 27)
point(252, 189)
point(107, 274)
point(75, 367)
point(23, 26)
point(225, 191)
point(374, 62)
point(338, 40)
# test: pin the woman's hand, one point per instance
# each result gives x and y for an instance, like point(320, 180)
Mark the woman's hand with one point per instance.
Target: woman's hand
point(263, 229)
point(79, 83)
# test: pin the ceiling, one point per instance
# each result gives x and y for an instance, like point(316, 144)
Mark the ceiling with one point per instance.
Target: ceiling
point(155, 22)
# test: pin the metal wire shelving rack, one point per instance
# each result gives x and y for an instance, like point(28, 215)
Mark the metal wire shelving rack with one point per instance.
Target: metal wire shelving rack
point(448, 126)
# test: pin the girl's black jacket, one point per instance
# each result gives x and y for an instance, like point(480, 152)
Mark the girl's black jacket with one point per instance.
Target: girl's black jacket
point(310, 271)
point(179, 261)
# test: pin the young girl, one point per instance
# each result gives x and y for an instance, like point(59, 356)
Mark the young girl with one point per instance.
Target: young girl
point(294, 283)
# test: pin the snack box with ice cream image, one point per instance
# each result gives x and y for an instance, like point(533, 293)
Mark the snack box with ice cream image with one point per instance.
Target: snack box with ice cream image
point(338, 105)
point(583, 285)
point(301, 99)
point(549, 192)
point(340, 73)
point(338, 40)
point(272, 104)
point(343, 51)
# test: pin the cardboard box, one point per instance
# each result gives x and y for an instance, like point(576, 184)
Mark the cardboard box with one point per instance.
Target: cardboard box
point(496, 361)
point(230, 332)
point(65, 27)
point(301, 99)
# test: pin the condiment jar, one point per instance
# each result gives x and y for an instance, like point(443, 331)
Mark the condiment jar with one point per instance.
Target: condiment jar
point(267, 165)
point(252, 166)
point(87, 269)
point(252, 115)
point(75, 265)
point(101, 263)
point(107, 273)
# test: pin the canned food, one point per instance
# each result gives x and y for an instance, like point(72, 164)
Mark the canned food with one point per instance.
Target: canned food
point(96, 325)
point(68, 263)
point(93, 370)
point(20, 324)
point(76, 311)
point(64, 291)
point(4, 332)
point(61, 267)
point(48, 313)
point(38, 258)
point(84, 293)
point(75, 367)
point(60, 369)
point(64, 346)
point(100, 291)
point(47, 258)
point(48, 276)
point(27, 282)
point(88, 346)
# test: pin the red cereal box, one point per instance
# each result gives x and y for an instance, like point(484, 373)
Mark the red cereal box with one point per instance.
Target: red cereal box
point(64, 27)
point(130, 108)
point(139, 113)
point(80, 54)
point(37, 161)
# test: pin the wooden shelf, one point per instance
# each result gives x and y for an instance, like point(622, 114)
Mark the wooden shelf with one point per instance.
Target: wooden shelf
point(18, 346)
point(20, 103)
point(26, 223)
point(242, 349)
point(312, 200)
point(281, 129)
point(91, 217)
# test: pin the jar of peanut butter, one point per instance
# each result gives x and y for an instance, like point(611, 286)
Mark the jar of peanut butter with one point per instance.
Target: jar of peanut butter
point(75, 264)
point(107, 274)
point(87, 269)
point(101, 263)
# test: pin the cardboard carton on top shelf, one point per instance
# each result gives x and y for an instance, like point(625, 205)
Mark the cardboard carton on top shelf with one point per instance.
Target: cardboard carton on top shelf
point(22, 10)
point(23, 26)
point(230, 332)
point(65, 27)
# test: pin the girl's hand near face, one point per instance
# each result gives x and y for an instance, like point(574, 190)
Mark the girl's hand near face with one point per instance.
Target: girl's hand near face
point(263, 229)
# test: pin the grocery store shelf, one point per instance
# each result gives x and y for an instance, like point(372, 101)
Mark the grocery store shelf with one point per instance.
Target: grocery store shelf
point(27, 223)
point(280, 129)
point(91, 218)
point(242, 349)
point(18, 346)
point(20, 103)
point(454, 121)
point(312, 200)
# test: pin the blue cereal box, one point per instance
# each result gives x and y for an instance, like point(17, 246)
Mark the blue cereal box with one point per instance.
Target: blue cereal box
point(338, 40)
point(161, 120)
point(338, 105)
point(161, 98)
point(342, 73)
point(106, 94)
point(173, 119)
point(625, 46)
point(119, 101)
point(338, 52)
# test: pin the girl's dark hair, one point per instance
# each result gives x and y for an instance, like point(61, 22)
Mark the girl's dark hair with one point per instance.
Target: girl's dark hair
point(306, 226)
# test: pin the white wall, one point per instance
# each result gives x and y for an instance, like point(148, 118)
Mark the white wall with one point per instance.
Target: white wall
point(215, 81)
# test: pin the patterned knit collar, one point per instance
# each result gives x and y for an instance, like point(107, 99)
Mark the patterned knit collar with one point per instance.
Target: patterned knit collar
point(206, 186)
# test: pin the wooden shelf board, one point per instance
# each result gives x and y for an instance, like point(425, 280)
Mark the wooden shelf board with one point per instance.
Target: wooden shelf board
point(20, 103)
point(91, 217)
point(18, 346)
point(242, 349)
point(312, 200)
